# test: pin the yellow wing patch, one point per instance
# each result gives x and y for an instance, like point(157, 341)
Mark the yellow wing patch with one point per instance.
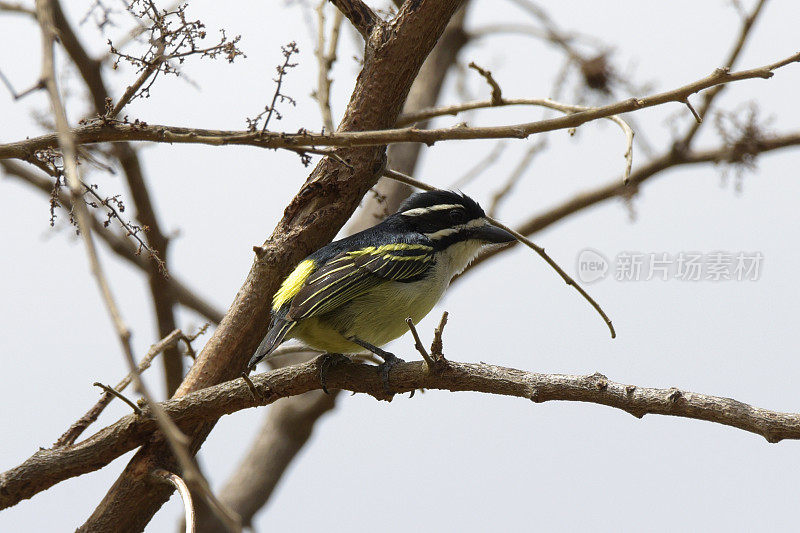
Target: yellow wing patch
point(372, 250)
point(293, 283)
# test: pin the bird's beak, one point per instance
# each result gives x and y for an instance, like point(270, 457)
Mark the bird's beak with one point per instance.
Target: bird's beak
point(492, 234)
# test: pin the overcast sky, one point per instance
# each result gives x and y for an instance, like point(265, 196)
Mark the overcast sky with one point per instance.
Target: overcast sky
point(445, 461)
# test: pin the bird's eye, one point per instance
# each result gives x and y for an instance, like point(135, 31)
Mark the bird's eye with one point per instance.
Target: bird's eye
point(458, 216)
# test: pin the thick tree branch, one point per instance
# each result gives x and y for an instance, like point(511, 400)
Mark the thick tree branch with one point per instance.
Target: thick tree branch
point(360, 15)
point(115, 132)
point(289, 424)
point(313, 217)
point(50, 466)
point(286, 428)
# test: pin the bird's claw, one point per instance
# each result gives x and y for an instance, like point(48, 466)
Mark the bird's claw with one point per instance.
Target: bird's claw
point(389, 361)
point(328, 361)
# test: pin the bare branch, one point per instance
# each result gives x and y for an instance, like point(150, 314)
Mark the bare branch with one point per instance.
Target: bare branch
point(177, 440)
point(12, 7)
point(18, 95)
point(360, 15)
point(48, 467)
point(44, 11)
point(615, 189)
point(497, 93)
point(186, 496)
point(514, 177)
point(326, 57)
point(134, 88)
point(115, 132)
point(310, 220)
point(708, 97)
point(119, 245)
point(480, 166)
point(90, 69)
point(114, 393)
point(393, 174)
point(91, 415)
point(437, 351)
point(418, 343)
point(695, 114)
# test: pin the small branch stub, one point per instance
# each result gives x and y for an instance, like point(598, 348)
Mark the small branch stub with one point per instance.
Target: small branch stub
point(119, 395)
point(418, 344)
point(497, 93)
point(437, 349)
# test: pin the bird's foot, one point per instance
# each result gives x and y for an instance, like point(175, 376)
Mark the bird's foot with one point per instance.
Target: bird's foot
point(328, 361)
point(389, 360)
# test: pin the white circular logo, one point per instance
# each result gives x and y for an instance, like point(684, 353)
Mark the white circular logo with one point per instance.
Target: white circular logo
point(592, 266)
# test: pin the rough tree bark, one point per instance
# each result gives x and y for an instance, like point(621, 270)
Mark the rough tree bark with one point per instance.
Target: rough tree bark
point(289, 424)
point(394, 53)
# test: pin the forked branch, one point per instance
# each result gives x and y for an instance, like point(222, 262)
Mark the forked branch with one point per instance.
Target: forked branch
point(114, 131)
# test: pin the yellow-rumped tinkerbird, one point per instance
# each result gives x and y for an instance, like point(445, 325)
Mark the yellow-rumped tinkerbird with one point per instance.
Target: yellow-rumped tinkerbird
point(356, 293)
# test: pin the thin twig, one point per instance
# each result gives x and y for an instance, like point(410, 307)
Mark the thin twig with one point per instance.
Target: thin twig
point(437, 350)
point(695, 114)
point(480, 166)
point(418, 343)
point(733, 56)
point(393, 174)
point(130, 92)
point(497, 93)
point(92, 414)
point(186, 495)
point(567, 279)
point(515, 176)
point(17, 8)
point(628, 155)
point(130, 230)
point(287, 52)
point(115, 132)
point(326, 57)
point(119, 395)
point(14, 94)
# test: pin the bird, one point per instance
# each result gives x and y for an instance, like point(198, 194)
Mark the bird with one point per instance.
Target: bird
point(357, 292)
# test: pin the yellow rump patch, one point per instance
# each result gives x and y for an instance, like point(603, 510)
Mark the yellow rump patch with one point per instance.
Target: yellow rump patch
point(293, 283)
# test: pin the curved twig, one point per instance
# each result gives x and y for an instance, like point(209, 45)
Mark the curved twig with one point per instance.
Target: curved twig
point(393, 174)
point(111, 131)
point(186, 495)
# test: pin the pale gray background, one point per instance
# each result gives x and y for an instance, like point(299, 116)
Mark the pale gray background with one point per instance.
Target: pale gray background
point(445, 461)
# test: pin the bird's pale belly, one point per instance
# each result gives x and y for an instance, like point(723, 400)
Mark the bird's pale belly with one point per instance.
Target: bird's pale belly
point(377, 317)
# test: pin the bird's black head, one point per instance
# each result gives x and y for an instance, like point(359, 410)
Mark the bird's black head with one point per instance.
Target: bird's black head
point(448, 217)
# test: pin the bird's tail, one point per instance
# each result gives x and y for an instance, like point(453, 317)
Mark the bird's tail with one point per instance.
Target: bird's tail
point(277, 332)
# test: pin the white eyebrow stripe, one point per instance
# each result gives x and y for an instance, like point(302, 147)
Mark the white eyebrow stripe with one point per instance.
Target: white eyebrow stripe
point(430, 209)
point(449, 231)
